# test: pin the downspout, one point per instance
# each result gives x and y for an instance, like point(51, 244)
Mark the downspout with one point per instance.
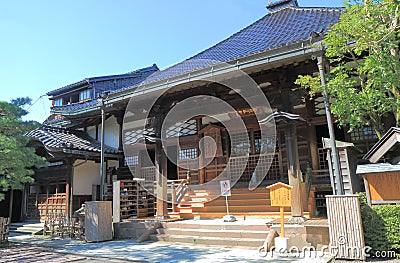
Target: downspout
point(335, 157)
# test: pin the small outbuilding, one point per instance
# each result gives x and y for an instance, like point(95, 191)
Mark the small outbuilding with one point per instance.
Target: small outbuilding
point(382, 180)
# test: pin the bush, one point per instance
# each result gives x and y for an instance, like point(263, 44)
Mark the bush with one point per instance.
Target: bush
point(381, 224)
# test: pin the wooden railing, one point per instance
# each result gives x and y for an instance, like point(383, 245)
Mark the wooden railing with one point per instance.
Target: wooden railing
point(178, 189)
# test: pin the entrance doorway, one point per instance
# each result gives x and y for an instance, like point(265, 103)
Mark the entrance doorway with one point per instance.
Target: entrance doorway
point(172, 157)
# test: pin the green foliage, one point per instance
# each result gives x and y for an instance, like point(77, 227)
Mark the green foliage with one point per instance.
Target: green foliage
point(16, 159)
point(381, 224)
point(364, 80)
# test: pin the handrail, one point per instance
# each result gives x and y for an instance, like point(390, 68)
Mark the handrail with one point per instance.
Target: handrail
point(177, 191)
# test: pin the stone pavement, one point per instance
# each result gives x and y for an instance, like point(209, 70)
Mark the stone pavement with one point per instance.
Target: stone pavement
point(129, 250)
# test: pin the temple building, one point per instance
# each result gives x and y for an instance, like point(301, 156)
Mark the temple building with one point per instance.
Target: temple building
point(282, 140)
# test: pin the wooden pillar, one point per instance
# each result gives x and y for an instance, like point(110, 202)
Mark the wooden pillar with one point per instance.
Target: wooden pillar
point(312, 136)
point(292, 153)
point(200, 149)
point(294, 172)
point(161, 173)
point(120, 121)
point(24, 203)
point(69, 187)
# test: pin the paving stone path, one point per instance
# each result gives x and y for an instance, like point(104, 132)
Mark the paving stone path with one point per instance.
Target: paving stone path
point(35, 254)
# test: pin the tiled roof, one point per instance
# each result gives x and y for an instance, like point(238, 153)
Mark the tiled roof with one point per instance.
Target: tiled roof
point(111, 82)
point(288, 25)
point(61, 138)
point(375, 153)
point(285, 25)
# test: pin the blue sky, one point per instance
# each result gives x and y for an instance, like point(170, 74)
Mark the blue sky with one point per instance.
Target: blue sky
point(49, 44)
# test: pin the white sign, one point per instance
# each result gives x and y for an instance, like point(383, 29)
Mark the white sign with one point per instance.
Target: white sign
point(225, 188)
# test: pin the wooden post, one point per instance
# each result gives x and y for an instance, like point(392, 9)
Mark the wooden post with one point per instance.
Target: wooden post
point(200, 148)
point(173, 196)
point(281, 195)
point(294, 172)
point(281, 210)
point(161, 173)
point(312, 136)
point(120, 121)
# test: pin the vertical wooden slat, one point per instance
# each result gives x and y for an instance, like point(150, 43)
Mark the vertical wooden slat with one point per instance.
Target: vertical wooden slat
point(345, 227)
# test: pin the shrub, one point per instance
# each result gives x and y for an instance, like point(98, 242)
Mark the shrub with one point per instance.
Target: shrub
point(381, 224)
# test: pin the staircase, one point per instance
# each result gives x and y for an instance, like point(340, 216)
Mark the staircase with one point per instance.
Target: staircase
point(244, 233)
point(242, 203)
point(28, 228)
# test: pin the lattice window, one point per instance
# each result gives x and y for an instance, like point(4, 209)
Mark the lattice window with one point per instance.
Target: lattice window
point(132, 160)
point(363, 134)
point(271, 173)
point(240, 144)
point(322, 158)
point(149, 176)
point(148, 173)
point(132, 137)
point(265, 144)
point(185, 154)
point(181, 129)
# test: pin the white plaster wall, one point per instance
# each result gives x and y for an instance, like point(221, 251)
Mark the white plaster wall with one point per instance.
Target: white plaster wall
point(85, 176)
point(91, 130)
point(111, 132)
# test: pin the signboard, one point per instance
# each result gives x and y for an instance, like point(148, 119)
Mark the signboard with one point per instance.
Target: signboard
point(280, 194)
point(225, 188)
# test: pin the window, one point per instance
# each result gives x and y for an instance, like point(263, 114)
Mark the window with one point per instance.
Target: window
point(363, 134)
point(264, 145)
point(58, 102)
point(132, 160)
point(84, 95)
point(240, 144)
point(186, 154)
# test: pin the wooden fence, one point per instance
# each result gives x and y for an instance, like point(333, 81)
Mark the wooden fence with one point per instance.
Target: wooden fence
point(4, 229)
point(345, 227)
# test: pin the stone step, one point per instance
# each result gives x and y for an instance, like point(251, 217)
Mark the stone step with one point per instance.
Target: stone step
point(233, 202)
point(239, 208)
point(201, 225)
point(213, 233)
point(28, 228)
point(217, 241)
point(247, 215)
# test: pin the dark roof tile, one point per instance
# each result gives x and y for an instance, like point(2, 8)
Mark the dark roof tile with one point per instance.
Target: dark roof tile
point(133, 76)
point(60, 138)
point(288, 25)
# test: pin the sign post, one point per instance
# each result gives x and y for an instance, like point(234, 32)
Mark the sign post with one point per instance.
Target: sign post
point(281, 195)
point(226, 191)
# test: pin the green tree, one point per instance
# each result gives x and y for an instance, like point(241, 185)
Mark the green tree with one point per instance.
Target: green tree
point(16, 159)
point(364, 77)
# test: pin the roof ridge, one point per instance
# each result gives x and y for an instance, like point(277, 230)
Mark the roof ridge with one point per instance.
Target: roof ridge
point(274, 12)
point(87, 79)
